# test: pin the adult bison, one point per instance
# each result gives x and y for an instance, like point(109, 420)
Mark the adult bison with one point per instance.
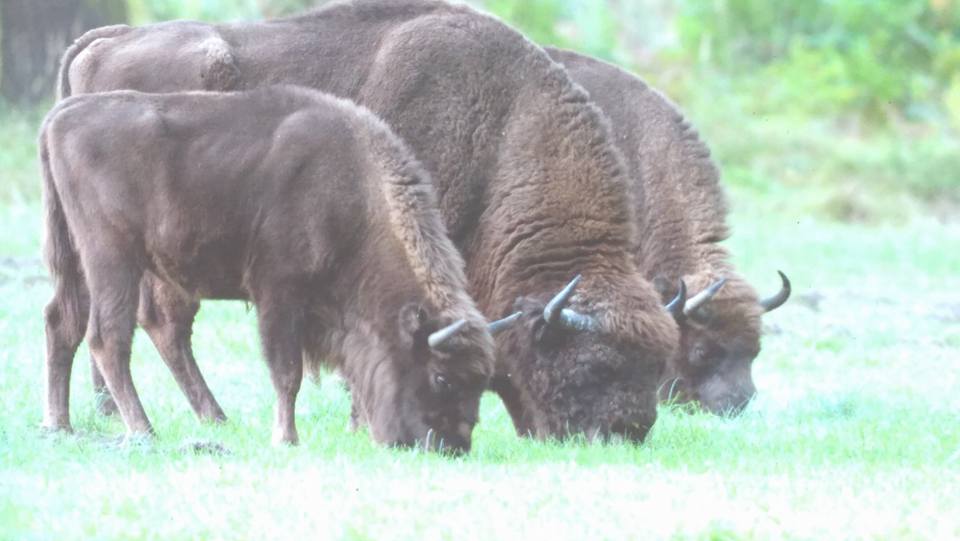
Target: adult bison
point(228, 196)
point(681, 218)
point(531, 188)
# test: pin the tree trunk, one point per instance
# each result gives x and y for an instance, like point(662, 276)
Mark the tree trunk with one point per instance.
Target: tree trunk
point(34, 35)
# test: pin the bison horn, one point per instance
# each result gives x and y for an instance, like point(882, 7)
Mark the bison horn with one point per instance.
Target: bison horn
point(500, 325)
point(675, 307)
point(556, 313)
point(438, 338)
point(698, 300)
point(776, 301)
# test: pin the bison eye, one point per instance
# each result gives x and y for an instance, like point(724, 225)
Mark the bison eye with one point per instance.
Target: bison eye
point(442, 383)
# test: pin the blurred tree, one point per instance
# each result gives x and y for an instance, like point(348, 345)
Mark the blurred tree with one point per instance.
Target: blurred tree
point(33, 36)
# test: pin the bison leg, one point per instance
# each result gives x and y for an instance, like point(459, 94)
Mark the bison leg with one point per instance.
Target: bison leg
point(65, 318)
point(167, 315)
point(512, 400)
point(114, 294)
point(280, 318)
point(105, 403)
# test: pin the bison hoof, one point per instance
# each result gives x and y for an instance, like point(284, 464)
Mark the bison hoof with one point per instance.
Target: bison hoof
point(216, 418)
point(105, 405)
point(139, 441)
point(285, 440)
point(53, 427)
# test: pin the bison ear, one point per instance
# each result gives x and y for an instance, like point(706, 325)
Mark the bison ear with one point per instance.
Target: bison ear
point(413, 318)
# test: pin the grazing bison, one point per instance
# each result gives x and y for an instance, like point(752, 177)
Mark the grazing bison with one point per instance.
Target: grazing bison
point(531, 188)
point(681, 217)
point(303, 204)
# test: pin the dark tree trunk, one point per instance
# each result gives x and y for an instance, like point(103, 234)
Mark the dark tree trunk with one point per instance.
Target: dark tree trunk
point(35, 33)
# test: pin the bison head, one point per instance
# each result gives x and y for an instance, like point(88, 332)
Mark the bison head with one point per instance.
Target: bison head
point(426, 392)
point(719, 338)
point(574, 367)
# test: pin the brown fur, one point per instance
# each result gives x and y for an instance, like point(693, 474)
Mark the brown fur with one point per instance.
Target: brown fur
point(681, 212)
point(530, 187)
point(228, 196)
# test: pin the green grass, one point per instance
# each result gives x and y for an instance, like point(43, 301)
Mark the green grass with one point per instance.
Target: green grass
point(855, 434)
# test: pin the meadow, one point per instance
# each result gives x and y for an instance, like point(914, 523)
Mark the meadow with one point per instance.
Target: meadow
point(855, 433)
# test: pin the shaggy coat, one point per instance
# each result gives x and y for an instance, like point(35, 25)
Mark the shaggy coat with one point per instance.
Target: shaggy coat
point(680, 211)
point(227, 196)
point(531, 189)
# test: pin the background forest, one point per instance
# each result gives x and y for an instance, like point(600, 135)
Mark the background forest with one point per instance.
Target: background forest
point(849, 110)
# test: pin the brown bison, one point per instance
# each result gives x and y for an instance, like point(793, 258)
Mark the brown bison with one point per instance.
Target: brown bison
point(681, 217)
point(531, 188)
point(228, 196)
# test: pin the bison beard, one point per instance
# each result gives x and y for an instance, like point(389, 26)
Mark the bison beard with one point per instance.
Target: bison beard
point(304, 204)
point(681, 218)
point(530, 187)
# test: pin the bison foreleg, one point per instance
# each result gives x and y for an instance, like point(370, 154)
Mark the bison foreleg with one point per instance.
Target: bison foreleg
point(167, 315)
point(280, 317)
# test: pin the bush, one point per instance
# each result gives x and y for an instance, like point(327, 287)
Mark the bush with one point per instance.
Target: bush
point(585, 25)
point(878, 58)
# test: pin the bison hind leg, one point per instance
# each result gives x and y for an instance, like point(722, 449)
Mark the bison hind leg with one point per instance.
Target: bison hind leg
point(65, 319)
point(105, 403)
point(113, 280)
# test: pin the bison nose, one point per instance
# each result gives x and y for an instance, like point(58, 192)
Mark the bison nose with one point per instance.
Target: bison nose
point(453, 446)
point(445, 443)
point(733, 405)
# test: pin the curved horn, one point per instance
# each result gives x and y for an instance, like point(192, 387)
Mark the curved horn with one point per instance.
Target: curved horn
point(572, 319)
point(500, 325)
point(776, 301)
point(551, 312)
point(555, 312)
point(438, 338)
point(698, 300)
point(675, 307)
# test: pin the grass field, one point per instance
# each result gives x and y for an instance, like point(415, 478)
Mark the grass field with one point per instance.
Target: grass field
point(856, 432)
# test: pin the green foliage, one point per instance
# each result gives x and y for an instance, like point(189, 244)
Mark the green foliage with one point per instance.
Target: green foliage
point(278, 8)
point(584, 25)
point(144, 11)
point(877, 58)
point(19, 173)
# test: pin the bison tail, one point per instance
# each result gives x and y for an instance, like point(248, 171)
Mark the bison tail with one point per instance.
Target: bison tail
point(81, 43)
point(59, 253)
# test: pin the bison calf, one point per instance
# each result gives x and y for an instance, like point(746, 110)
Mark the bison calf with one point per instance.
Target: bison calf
point(304, 204)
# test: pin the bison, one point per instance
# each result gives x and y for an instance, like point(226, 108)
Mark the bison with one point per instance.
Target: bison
point(530, 186)
point(681, 218)
point(304, 204)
